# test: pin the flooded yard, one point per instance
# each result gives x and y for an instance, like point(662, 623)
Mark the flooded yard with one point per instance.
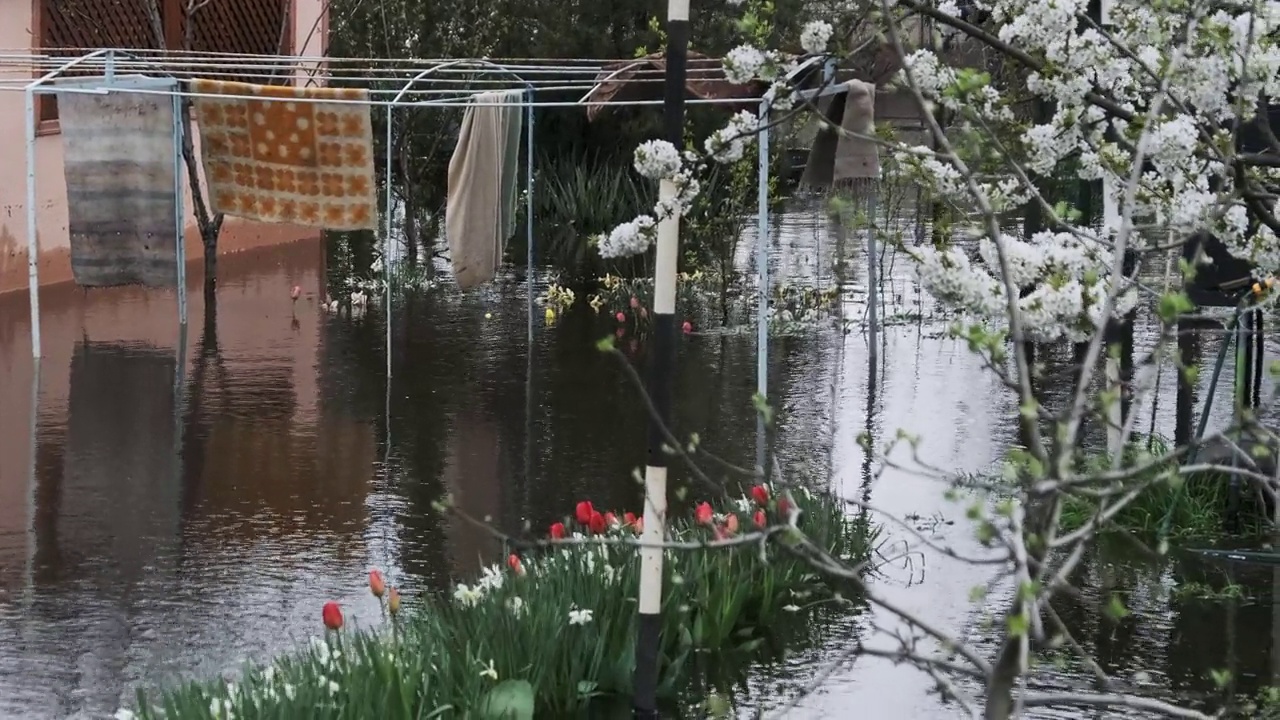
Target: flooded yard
point(173, 504)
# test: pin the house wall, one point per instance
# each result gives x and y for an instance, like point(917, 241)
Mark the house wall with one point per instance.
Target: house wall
point(310, 31)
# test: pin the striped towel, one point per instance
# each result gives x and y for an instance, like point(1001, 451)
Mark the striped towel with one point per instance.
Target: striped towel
point(120, 164)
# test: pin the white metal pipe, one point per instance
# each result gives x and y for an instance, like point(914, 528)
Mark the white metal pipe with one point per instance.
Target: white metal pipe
point(762, 271)
point(180, 220)
point(33, 244)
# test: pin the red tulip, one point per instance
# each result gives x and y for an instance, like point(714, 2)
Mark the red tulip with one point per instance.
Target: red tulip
point(621, 316)
point(784, 507)
point(513, 562)
point(610, 519)
point(332, 615)
point(687, 327)
point(702, 514)
point(639, 525)
point(629, 519)
point(584, 511)
point(393, 601)
point(377, 585)
point(635, 302)
point(557, 531)
point(760, 494)
point(596, 523)
point(731, 524)
point(760, 519)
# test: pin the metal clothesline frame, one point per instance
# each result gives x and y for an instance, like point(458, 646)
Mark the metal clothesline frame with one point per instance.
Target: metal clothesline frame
point(112, 61)
point(110, 81)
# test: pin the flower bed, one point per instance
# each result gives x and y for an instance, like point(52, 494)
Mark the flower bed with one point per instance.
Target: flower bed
point(552, 630)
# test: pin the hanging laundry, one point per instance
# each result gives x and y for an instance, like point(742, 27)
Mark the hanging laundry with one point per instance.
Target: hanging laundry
point(270, 158)
point(836, 157)
point(480, 210)
point(120, 163)
point(511, 162)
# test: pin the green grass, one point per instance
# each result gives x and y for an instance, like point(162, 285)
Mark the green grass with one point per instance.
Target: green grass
point(508, 641)
point(1197, 504)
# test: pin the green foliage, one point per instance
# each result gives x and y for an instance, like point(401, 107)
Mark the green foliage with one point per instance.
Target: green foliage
point(578, 197)
point(1198, 513)
point(510, 647)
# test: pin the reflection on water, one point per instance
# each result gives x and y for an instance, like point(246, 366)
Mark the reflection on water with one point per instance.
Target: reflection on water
point(195, 499)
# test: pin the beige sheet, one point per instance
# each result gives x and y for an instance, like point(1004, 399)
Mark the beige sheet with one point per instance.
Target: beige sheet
point(476, 213)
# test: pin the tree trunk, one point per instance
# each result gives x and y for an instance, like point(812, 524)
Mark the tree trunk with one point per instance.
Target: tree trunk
point(410, 206)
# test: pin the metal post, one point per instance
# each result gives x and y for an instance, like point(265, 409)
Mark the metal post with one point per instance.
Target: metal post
point(179, 219)
point(528, 211)
point(662, 370)
point(33, 245)
point(32, 482)
point(529, 270)
point(873, 280)
point(386, 240)
point(762, 268)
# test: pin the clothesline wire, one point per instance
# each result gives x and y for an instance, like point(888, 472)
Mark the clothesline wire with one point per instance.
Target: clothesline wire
point(420, 63)
point(352, 66)
point(103, 89)
point(457, 94)
point(367, 74)
point(376, 85)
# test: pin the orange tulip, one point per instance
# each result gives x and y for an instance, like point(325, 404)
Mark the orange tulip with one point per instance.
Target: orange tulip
point(377, 584)
point(731, 524)
point(393, 601)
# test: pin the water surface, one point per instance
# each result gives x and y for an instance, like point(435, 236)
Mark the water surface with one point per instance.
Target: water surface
point(186, 502)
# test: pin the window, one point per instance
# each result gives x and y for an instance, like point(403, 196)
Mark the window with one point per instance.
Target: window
point(67, 28)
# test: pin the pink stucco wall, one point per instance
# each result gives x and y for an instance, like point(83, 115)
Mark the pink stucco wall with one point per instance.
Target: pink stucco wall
point(310, 29)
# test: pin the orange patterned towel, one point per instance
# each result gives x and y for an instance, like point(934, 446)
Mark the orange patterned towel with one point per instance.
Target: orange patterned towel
point(271, 158)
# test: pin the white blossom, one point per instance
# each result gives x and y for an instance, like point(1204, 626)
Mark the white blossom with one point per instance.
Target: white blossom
point(743, 63)
point(631, 238)
point(815, 36)
point(579, 616)
point(657, 160)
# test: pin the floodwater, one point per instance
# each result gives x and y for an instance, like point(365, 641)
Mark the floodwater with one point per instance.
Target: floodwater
point(171, 505)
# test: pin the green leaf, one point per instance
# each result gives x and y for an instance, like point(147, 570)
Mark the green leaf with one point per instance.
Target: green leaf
point(718, 706)
point(508, 700)
point(1115, 608)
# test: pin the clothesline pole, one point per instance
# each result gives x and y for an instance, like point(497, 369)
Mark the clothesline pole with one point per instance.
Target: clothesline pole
point(33, 246)
point(529, 277)
point(179, 215)
point(386, 238)
point(662, 371)
point(762, 268)
point(528, 211)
